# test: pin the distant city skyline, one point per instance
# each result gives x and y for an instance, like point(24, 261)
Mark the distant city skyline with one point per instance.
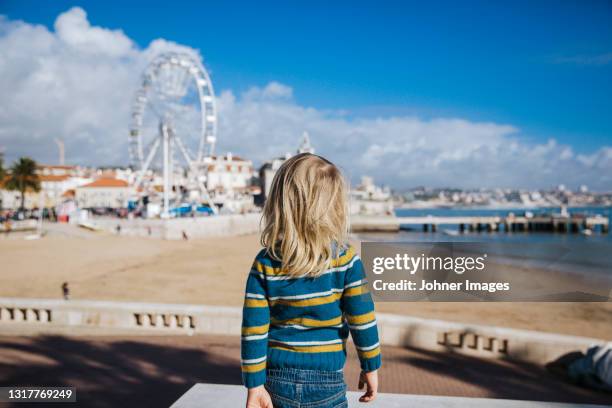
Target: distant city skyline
point(514, 95)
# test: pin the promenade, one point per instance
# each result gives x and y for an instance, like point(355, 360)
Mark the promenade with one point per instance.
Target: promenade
point(154, 371)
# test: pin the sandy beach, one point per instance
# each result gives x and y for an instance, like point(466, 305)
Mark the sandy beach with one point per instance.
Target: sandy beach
point(213, 272)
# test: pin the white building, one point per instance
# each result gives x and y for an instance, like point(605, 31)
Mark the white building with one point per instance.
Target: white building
point(11, 200)
point(103, 193)
point(229, 173)
point(369, 199)
point(269, 168)
point(229, 181)
point(53, 187)
point(56, 180)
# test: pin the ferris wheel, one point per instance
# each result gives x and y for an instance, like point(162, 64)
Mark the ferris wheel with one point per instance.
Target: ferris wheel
point(174, 111)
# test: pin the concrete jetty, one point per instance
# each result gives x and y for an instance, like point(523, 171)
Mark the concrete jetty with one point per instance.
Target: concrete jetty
point(549, 223)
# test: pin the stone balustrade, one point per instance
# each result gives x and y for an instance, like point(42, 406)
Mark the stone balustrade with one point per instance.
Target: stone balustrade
point(479, 340)
point(406, 331)
point(25, 314)
point(164, 320)
point(142, 317)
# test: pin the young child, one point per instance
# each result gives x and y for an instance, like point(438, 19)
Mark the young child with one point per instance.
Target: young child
point(305, 292)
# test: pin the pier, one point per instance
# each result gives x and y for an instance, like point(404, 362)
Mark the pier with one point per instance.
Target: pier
point(551, 223)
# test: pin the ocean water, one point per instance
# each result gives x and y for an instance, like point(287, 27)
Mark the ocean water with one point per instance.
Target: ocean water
point(562, 252)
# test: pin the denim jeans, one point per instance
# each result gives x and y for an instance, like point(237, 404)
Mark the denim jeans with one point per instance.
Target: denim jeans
point(293, 388)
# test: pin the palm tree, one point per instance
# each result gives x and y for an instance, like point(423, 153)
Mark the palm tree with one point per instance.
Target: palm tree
point(22, 176)
point(2, 171)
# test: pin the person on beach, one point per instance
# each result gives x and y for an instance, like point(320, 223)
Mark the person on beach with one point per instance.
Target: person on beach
point(66, 291)
point(305, 292)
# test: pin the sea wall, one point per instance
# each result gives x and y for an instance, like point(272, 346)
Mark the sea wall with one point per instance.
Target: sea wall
point(71, 317)
point(199, 227)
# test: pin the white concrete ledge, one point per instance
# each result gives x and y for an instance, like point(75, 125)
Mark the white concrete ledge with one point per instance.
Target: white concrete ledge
point(145, 317)
point(404, 331)
point(226, 396)
point(479, 340)
point(199, 227)
point(17, 226)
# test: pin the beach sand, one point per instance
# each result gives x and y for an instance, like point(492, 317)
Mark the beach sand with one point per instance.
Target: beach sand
point(100, 266)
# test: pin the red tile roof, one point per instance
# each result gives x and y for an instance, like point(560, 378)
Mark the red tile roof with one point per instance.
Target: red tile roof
point(107, 182)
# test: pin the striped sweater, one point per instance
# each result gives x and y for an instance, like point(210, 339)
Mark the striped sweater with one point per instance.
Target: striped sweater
point(304, 322)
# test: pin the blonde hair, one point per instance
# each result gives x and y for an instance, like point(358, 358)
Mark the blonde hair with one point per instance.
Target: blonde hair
point(305, 215)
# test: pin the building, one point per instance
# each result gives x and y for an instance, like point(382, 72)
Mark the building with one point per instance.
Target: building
point(229, 180)
point(369, 199)
point(11, 199)
point(104, 193)
point(53, 187)
point(229, 173)
point(55, 180)
point(269, 168)
point(267, 172)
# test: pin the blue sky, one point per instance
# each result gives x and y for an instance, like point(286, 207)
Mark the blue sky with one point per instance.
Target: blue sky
point(463, 94)
point(544, 66)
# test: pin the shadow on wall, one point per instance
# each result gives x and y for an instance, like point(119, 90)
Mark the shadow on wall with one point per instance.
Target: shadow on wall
point(114, 373)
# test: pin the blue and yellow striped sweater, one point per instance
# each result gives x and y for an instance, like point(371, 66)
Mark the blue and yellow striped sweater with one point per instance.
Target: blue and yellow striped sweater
point(304, 322)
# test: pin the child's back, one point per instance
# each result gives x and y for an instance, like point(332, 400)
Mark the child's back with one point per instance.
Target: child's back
point(295, 325)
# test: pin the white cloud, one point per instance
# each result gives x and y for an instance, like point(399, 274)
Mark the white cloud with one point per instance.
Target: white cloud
point(74, 29)
point(78, 80)
point(272, 91)
point(76, 83)
point(407, 151)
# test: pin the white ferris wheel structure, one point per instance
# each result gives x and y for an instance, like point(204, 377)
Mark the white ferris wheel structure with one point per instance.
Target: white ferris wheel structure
point(174, 125)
